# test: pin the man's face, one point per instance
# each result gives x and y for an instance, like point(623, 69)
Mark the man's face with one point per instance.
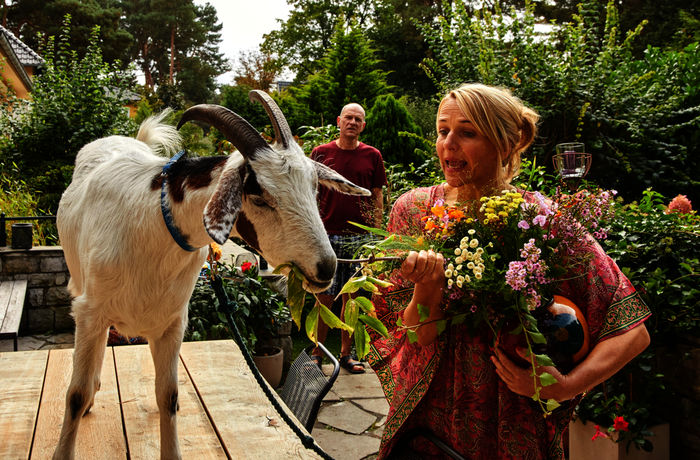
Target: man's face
point(351, 121)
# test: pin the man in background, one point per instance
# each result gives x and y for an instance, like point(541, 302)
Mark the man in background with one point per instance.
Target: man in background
point(363, 165)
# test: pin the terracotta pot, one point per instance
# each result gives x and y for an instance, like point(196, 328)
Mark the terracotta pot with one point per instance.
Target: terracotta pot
point(565, 328)
point(582, 448)
point(270, 363)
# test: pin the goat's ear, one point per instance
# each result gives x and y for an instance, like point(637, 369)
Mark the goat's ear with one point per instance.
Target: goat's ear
point(333, 180)
point(221, 211)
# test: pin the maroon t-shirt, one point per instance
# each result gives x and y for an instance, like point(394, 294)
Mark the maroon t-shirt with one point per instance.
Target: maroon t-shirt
point(364, 167)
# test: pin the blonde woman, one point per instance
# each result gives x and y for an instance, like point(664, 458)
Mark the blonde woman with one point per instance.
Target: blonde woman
point(454, 384)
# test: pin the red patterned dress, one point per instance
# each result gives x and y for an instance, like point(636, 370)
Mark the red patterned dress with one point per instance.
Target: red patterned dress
point(451, 386)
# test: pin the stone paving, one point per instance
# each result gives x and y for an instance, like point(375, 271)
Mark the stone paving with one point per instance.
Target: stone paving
point(349, 425)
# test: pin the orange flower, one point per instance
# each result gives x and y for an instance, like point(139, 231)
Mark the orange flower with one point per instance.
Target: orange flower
point(438, 210)
point(429, 225)
point(456, 214)
point(215, 250)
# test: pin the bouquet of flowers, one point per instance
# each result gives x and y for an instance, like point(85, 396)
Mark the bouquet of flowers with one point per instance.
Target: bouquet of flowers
point(504, 256)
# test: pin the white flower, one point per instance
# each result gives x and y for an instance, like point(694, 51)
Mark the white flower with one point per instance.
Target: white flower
point(493, 258)
point(477, 276)
point(474, 243)
point(471, 231)
point(458, 251)
point(467, 279)
point(450, 267)
point(479, 251)
point(450, 283)
point(468, 255)
point(459, 283)
point(460, 279)
point(448, 273)
point(470, 266)
point(459, 260)
point(459, 267)
point(481, 266)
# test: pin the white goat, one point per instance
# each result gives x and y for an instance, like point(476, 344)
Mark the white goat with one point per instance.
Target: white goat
point(135, 233)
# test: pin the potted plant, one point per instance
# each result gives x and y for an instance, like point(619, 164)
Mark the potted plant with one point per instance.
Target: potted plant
point(261, 312)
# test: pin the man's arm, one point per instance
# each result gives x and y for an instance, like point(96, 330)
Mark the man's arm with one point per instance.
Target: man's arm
point(377, 206)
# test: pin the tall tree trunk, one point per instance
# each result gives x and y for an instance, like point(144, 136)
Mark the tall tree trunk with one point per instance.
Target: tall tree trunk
point(148, 77)
point(172, 53)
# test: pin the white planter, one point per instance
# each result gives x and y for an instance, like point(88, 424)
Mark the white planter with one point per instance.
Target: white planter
point(582, 448)
point(270, 366)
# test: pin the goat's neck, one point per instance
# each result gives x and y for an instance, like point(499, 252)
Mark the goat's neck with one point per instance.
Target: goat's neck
point(191, 183)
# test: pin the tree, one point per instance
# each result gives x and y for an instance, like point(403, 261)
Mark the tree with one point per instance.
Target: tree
point(256, 70)
point(29, 18)
point(75, 100)
point(389, 126)
point(349, 72)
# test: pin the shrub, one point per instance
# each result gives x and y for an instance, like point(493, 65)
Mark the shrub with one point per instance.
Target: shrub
point(389, 129)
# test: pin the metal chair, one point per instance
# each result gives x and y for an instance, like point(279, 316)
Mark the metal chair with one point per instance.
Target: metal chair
point(306, 386)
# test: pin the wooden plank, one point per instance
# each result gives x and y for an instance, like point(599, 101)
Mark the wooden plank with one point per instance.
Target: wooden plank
point(137, 385)
point(100, 435)
point(247, 422)
point(13, 314)
point(21, 380)
point(5, 292)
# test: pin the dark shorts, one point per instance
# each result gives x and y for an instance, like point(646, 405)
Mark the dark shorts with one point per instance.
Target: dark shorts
point(344, 247)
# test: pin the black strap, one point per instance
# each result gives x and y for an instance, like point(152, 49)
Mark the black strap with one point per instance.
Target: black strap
point(229, 308)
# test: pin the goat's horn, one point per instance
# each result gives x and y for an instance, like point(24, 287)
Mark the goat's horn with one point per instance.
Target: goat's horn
point(234, 127)
point(283, 135)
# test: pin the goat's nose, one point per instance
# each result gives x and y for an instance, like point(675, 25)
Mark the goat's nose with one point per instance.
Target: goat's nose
point(326, 268)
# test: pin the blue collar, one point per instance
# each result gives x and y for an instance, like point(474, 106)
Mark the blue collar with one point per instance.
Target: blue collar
point(174, 230)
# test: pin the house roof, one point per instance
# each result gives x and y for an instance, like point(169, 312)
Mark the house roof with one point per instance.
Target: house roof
point(25, 55)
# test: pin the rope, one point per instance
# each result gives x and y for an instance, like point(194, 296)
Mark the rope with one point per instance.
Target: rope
point(229, 310)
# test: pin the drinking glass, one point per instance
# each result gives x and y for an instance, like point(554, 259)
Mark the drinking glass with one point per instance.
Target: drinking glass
point(572, 162)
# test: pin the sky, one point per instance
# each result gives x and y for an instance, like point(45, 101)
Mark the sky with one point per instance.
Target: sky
point(244, 24)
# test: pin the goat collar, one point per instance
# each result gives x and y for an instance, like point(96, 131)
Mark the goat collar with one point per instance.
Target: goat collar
point(174, 230)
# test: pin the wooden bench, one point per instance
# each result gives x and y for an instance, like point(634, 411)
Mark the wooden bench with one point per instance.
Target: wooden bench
point(11, 305)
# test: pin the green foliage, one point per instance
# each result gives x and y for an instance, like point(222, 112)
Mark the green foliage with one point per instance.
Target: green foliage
point(236, 98)
point(638, 118)
point(75, 101)
point(17, 200)
point(313, 136)
point(261, 310)
point(389, 128)
point(349, 73)
point(659, 254)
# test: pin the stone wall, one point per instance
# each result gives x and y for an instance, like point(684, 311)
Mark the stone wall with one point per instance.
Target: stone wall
point(47, 304)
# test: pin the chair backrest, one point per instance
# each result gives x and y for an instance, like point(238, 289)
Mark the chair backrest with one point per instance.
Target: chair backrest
point(306, 386)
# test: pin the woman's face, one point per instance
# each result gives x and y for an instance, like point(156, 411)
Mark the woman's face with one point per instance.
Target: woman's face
point(466, 157)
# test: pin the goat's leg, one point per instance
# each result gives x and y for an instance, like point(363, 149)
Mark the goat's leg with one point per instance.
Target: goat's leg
point(90, 341)
point(165, 351)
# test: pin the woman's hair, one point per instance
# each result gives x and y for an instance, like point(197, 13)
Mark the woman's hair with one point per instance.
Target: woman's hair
point(502, 118)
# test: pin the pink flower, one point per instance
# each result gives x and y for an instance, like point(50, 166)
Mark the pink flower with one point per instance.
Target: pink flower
point(539, 220)
point(599, 434)
point(523, 224)
point(680, 204)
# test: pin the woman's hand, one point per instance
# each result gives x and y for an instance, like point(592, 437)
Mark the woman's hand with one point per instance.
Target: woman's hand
point(424, 267)
point(519, 380)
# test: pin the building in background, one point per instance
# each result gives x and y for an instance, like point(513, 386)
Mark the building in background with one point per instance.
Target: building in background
point(18, 63)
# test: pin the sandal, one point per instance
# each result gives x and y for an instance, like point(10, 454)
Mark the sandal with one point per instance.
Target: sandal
point(351, 365)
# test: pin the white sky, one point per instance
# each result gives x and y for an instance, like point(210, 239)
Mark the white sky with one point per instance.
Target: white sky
point(244, 24)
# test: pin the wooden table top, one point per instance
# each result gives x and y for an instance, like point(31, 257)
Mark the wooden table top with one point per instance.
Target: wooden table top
point(223, 411)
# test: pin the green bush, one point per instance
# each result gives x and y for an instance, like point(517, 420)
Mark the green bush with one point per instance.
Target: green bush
point(75, 100)
point(390, 128)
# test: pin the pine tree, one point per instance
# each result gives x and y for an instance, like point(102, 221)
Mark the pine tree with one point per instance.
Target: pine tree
point(385, 120)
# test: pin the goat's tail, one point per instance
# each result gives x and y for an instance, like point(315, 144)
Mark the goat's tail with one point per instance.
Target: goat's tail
point(159, 136)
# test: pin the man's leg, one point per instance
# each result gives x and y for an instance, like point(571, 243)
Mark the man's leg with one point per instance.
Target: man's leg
point(327, 300)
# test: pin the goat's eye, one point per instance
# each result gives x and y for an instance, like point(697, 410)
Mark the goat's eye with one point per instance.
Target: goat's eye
point(258, 201)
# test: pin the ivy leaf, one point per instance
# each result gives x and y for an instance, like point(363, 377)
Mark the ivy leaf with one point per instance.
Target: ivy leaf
point(412, 336)
point(544, 360)
point(547, 379)
point(374, 323)
point(552, 404)
point(441, 325)
point(423, 313)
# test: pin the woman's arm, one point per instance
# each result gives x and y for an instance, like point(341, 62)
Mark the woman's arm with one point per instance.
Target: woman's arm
point(427, 271)
point(604, 360)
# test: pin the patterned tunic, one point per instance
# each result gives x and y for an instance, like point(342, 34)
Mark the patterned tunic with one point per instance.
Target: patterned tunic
point(451, 386)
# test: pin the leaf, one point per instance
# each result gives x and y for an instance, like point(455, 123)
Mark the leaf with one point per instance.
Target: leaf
point(544, 360)
point(353, 285)
point(536, 337)
point(376, 231)
point(423, 312)
point(552, 404)
point(547, 379)
point(375, 324)
point(361, 340)
point(441, 325)
point(369, 286)
point(380, 283)
point(412, 336)
point(351, 312)
point(365, 304)
point(331, 320)
point(312, 324)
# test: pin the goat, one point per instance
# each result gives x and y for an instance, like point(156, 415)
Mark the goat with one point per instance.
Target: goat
point(135, 229)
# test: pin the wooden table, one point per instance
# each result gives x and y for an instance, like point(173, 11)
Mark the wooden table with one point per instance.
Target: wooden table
point(223, 411)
